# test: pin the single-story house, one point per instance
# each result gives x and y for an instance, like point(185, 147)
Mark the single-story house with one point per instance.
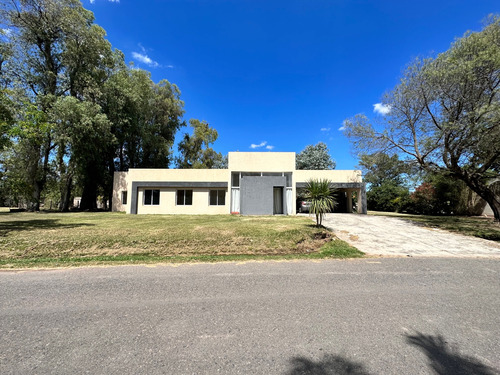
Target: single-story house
point(255, 183)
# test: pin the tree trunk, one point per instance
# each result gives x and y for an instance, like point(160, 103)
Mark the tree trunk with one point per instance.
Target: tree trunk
point(37, 192)
point(487, 193)
point(39, 183)
point(67, 194)
point(89, 194)
point(494, 203)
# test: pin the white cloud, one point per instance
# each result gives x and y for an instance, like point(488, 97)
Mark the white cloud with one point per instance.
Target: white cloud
point(261, 144)
point(7, 32)
point(269, 147)
point(145, 59)
point(382, 109)
point(325, 129)
point(342, 128)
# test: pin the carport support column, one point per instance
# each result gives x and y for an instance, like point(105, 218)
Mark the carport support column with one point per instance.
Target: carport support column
point(349, 201)
point(362, 207)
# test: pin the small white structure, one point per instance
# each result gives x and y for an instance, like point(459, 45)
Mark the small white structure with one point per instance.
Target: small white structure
point(255, 183)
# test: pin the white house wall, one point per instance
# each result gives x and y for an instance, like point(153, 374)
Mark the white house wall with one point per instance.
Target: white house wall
point(201, 181)
point(168, 202)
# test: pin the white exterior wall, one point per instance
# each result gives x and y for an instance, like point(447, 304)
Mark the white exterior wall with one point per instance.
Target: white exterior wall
point(168, 203)
point(237, 162)
point(333, 175)
point(261, 161)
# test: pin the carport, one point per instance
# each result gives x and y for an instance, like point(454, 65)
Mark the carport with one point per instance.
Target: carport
point(346, 194)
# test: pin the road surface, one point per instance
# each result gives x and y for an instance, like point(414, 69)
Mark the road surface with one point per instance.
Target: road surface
point(366, 316)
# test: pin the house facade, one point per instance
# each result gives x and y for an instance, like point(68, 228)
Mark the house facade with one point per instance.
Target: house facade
point(255, 183)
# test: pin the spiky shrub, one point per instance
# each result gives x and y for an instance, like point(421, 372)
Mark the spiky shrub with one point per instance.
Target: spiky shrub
point(321, 196)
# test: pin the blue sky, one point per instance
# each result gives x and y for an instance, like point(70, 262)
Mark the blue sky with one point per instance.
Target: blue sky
point(280, 75)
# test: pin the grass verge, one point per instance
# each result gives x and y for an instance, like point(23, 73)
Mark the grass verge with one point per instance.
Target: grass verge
point(481, 227)
point(73, 239)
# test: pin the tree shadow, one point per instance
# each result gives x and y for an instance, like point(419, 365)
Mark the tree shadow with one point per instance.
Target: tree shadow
point(446, 360)
point(328, 365)
point(26, 225)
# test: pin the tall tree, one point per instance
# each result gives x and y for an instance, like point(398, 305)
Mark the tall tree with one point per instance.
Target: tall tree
point(315, 157)
point(380, 168)
point(445, 114)
point(57, 51)
point(195, 150)
point(145, 118)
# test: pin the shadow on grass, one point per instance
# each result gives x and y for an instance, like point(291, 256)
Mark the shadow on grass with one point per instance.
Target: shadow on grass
point(26, 225)
point(446, 360)
point(328, 365)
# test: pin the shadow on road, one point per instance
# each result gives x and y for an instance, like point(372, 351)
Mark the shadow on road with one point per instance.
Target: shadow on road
point(328, 365)
point(443, 360)
point(24, 225)
point(446, 360)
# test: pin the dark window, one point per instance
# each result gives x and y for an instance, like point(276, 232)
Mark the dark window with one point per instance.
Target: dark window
point(217, 197)
point(235, 179)
point(184, 197)
point(151, 197)
point(124, 197)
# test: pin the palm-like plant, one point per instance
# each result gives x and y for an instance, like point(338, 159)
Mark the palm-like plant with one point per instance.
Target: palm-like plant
point(321, 196)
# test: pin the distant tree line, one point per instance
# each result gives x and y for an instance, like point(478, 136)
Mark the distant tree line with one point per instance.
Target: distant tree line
point(72, 112)
point(396, 186)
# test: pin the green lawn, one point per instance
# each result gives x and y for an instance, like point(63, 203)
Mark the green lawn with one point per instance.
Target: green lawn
point(62, 239)
point(471, 226)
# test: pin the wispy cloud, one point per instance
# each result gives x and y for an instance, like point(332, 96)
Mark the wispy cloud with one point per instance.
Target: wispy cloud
point(342, 128)
point(381, 109)
point(261, 144)
point(325, 129)
point(145, 59)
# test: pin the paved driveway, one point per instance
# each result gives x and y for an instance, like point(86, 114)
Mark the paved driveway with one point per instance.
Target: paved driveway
point(380, 235)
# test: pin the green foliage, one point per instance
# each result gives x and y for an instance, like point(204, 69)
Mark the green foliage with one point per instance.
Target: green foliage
point(388, 197)
point(6, 119)
point(380, 168)
point(315, 157)
point(75, 111)
point(321, 196)
point(145, 118)
point(195, 150)
point(445, 114)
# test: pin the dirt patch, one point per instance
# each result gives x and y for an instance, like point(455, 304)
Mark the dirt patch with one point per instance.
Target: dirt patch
point(315, 243)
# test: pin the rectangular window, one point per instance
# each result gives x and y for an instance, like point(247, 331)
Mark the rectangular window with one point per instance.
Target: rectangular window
point(184, 197)
point(235, 179)
point(124, 197)
point(217, 197)
point(151, 197)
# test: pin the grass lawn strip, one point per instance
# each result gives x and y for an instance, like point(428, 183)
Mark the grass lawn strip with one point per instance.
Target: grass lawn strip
point(481, 227)
point(69, 239)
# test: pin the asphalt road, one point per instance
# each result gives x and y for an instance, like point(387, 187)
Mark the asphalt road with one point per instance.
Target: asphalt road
point(369, 316)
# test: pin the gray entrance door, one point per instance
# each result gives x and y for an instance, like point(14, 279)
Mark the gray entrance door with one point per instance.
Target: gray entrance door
point(278, 201)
